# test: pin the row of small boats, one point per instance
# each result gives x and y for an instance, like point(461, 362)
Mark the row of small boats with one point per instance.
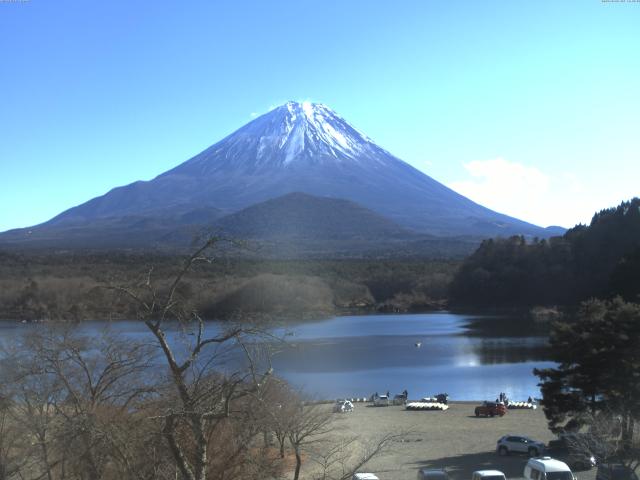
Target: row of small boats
point(521, 406)
point(426, 406)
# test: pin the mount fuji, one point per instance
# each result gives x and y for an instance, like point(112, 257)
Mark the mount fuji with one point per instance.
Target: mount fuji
point(297, 147)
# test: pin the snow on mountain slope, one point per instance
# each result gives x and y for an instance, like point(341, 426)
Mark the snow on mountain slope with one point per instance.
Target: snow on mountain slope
point(294, 133)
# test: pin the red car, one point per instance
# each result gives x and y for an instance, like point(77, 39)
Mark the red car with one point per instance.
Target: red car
point(491, 409)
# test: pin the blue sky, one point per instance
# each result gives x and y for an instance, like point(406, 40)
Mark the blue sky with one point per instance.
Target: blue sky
point(531, 108)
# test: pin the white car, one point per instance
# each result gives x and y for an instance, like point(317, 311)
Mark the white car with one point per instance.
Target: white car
point(364, 476)
point(488, 475)
point(432, 474)
point(343, 406)
point(519, 444)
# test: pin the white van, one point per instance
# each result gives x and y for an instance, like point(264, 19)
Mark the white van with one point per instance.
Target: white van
point(547, 468)
point(488, 475)
point(364, 476)
point(381, 401)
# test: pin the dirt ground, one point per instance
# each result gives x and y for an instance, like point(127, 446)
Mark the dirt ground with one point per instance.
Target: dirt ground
point(454, 440)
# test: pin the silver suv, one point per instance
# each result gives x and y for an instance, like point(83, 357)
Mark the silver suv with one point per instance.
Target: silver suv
point(518, 444)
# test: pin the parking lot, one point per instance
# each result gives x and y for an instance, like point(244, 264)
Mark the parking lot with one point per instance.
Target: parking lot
point(455, 440)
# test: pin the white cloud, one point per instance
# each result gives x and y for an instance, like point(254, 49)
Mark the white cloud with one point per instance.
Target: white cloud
point(527, 193)
point(509, 178)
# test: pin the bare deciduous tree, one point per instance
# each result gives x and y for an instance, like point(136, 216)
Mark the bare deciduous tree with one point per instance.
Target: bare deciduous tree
point(308, 424)
point(77, 399)
point(11, 443)
point(203, 401)
point(339, 460)
point(193, 403)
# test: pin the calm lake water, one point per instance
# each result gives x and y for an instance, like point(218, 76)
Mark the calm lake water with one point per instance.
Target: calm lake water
point(469, 357)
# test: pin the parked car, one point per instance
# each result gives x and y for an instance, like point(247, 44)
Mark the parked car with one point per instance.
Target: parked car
point(364, 476)
point(400, 399)
point(547, 468)
point(432, 474)
point(490, 409)
point(381, 401)
point(519, 444)
point(571, 454)
point(615, 471)
point(488, 475)
point(439, 398)
point(343, 406)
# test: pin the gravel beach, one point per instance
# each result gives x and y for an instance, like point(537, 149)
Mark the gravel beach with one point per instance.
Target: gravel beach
point(455, 439)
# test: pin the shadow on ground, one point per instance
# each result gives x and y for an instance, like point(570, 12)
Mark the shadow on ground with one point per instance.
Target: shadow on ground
point(461, 467)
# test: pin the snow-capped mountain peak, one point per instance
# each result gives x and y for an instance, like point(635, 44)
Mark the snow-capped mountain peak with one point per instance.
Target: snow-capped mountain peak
point(310, 130)
point(293, 134)
point(318, 130)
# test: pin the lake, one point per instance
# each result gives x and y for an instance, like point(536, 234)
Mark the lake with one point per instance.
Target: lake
point(469, 357)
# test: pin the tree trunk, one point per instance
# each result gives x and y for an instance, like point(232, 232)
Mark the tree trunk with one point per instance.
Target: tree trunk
point(45, 456)
point(201, 446)
point(182, 463)
point(627, 431)
point(296, 475)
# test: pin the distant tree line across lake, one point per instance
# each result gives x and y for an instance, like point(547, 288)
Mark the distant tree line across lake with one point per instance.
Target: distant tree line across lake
point(599, 260)
point(71, 286)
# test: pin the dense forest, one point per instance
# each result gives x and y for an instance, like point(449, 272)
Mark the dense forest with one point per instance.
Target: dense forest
point(599, 260)
point(74, 286)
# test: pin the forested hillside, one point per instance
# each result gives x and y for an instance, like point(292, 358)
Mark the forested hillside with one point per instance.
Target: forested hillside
point(598, 260)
